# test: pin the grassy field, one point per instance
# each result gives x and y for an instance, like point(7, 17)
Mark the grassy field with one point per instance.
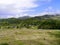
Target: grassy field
point(29, 37)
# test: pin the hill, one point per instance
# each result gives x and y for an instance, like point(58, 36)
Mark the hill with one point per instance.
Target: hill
point(24, 17)
point(38, 22)
point(47, 16)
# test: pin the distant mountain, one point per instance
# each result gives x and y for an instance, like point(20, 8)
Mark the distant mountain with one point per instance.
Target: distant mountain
point(39, 22)
point(24, 17)
point(47, 16)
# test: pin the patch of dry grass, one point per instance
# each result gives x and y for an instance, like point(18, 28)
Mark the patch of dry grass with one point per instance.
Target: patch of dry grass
point(29, 37)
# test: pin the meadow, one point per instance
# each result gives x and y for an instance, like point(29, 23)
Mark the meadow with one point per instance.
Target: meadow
point(29, 37)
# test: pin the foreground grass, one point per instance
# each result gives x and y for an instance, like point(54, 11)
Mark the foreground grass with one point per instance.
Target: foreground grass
point(29, 37)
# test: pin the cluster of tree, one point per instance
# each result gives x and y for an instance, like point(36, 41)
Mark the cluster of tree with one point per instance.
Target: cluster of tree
point(34, 22)
point(49, 24)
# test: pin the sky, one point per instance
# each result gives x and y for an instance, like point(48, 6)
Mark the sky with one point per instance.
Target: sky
point(19, 8)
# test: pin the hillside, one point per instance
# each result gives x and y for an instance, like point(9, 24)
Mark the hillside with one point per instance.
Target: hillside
point(38, 22)
point(39, 30)
point(47, 16)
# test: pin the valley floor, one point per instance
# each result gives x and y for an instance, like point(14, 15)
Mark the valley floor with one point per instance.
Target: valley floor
point(29, 37)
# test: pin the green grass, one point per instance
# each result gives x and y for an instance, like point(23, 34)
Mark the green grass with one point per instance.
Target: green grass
point(29, 37)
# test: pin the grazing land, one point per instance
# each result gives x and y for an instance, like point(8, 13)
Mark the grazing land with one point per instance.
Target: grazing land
point(29, 37)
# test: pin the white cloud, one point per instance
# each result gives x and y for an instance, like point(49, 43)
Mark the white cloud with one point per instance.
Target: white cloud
point(5, 2)
point(52, 10)
point(19, 3)
point(18, 7)
point(49, 10)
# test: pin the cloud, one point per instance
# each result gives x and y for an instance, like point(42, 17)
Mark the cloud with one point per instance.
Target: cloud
point(16, 8)
point(49, 10)
point(52, 10)
point(19, 3)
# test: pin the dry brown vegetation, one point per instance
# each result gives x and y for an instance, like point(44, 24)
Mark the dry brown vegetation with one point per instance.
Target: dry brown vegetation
point(29, 37)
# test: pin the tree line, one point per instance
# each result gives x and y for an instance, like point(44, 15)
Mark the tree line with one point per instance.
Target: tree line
point(30, 23)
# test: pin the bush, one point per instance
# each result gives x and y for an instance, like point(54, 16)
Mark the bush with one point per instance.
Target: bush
point(4, 44)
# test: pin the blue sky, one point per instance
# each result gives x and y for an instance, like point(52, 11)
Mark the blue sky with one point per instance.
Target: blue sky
point(18, 8)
